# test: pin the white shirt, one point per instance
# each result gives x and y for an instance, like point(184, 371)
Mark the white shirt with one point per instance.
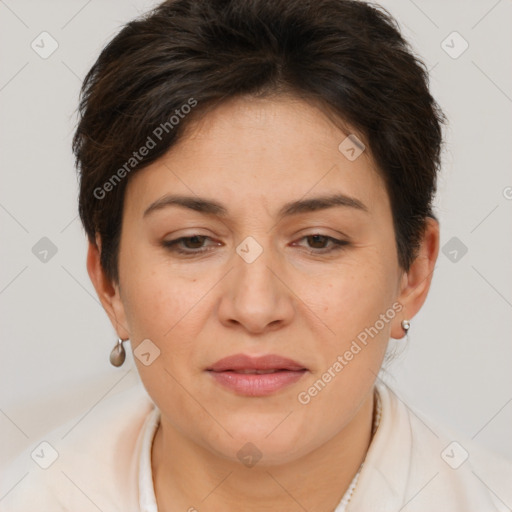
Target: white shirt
point(103, 462)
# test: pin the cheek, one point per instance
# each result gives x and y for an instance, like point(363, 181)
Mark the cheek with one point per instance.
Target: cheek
point(166, 306)
point(158, 297)
point(162, 308)
point(354, 296)
point(357, 307)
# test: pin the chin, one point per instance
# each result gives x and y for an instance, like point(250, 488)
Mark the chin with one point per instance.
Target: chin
point(256, 442)
point(259, 453)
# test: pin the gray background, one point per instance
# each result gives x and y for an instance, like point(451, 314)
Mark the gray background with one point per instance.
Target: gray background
point(56, 338)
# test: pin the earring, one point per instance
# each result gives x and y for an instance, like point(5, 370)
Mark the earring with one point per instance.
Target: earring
point(406, 325)
point(118, 354)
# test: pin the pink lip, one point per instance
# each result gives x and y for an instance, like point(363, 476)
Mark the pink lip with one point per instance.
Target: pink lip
point(244, 362)
point(226, 372)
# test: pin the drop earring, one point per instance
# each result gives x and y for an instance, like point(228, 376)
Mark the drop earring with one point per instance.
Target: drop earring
point(118, 354)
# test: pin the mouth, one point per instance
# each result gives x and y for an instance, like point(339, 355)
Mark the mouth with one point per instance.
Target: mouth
point(256, 376)
point(258, 372)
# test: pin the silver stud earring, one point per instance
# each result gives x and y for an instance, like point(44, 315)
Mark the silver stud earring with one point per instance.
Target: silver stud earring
point(118, 354)
point(406, 325)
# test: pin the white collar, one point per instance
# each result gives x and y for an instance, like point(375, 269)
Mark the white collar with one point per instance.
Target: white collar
point(147, 499)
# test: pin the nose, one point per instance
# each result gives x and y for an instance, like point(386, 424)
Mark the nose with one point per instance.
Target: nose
point(255, 295)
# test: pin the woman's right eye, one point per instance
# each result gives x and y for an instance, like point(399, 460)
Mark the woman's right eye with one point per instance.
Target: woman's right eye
point(193, 244)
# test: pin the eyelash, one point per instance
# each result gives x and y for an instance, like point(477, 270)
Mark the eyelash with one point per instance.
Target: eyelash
point(173, 245)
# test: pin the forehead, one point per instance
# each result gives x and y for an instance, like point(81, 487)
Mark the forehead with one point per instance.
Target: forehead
point(264, 152)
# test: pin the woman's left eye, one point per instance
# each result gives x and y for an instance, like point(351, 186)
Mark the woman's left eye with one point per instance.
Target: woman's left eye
point(323, 240)
point(190, 245)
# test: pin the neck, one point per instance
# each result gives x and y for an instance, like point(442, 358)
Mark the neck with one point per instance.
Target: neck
point(188, 477)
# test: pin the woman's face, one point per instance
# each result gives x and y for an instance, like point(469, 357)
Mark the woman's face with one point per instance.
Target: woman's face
point(274, 267)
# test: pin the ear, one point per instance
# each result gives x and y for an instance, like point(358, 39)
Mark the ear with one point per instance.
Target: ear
point(108, 291)
point(415, 283)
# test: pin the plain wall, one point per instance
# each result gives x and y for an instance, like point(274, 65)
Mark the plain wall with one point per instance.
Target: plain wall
point(55, 336)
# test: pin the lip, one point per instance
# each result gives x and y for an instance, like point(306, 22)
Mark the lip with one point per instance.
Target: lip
point(240, 362)
point(238, 373)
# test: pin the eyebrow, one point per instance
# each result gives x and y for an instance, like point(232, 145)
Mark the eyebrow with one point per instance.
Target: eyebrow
point(211, 207)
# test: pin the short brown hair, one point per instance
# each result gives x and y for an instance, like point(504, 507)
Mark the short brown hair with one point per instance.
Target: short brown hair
point(348, 55)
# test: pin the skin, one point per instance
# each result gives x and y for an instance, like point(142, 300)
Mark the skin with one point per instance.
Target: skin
point(253, 156)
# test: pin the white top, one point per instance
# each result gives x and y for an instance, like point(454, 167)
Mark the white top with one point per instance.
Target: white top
point(103, 461)
point(147, 498)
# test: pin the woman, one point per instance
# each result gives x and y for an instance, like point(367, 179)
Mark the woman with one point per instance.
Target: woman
point(257, 181)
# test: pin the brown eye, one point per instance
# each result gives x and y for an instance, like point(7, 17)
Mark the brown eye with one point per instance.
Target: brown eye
point(323, 244)
point(317, 241)
point(193, 242)
point(188, 245)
